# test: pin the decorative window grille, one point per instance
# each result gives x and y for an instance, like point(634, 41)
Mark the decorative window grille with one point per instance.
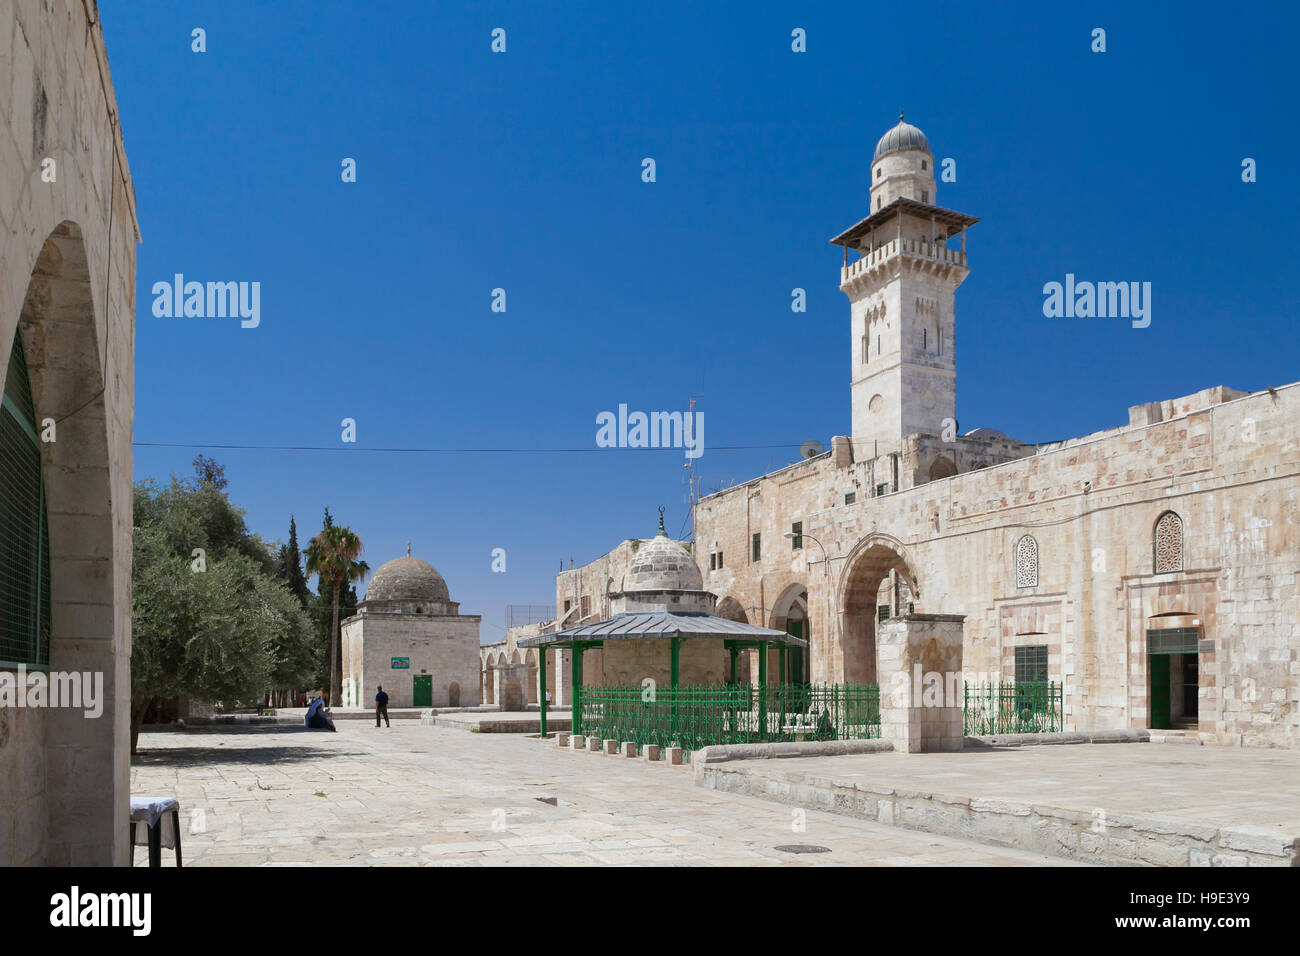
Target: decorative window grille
point(24, 532)
point(1168, 543)
point(1027, 562)
point(882, 612)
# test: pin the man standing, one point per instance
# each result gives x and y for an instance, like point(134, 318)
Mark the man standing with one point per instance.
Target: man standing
point(381, 707)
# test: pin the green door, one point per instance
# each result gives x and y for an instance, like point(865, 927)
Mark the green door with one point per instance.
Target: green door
point(423, 690)
point(1158, 665)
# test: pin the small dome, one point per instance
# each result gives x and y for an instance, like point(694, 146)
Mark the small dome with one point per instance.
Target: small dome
point(901, 137)
point(408, 580)
point(662, 564)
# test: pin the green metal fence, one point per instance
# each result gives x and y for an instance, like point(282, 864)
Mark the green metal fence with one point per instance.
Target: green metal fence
point(1012, 708)
point(695, 717)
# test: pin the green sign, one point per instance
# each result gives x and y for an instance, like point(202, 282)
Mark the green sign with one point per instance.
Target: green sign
point(401, 663)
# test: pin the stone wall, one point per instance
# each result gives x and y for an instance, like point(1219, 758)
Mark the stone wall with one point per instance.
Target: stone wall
point(1230, 470)
point(68, 248)
point(445, 647)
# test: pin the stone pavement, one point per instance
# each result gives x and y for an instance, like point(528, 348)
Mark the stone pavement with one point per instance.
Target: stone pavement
point(417, 794)
point(1167, 804)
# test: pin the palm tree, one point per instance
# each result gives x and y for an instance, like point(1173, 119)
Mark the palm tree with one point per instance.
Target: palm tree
point(333, 555)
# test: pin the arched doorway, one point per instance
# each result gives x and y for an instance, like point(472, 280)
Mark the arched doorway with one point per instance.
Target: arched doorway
point(531, 683)
point(790, 614)
point(731, 609)
point(868, 566)
point(453, 694)
point(81, 567)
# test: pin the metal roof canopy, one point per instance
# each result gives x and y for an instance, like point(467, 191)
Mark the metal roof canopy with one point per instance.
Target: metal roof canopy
point(664, 625)
point(948, 217)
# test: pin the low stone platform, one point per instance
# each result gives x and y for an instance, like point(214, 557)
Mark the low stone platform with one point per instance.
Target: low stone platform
point(1128, 804)
point(498, 722)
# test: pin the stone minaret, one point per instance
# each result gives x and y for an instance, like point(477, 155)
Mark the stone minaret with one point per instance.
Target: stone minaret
point(900, 292)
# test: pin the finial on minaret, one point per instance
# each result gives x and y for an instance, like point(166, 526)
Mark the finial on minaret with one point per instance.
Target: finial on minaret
point(900, 114)
point(408, 549)
point(661, 522)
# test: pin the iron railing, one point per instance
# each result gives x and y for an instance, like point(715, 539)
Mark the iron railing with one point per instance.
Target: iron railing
point(1025, 707)
point(694, 717)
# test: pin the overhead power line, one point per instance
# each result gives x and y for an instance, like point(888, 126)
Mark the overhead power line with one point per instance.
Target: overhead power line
point(360, 448)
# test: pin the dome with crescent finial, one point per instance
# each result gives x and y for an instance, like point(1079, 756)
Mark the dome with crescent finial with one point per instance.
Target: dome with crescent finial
point(662, 564)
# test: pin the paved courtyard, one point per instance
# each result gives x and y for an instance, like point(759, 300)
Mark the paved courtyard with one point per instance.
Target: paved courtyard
point(1208, 786)
point(413, 794)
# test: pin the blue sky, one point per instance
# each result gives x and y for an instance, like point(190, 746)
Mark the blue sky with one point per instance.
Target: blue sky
point(522, 171)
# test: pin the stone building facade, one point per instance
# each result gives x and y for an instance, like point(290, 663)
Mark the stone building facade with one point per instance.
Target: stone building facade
point(67, 301)
point(409, 636)
point(1150, 568)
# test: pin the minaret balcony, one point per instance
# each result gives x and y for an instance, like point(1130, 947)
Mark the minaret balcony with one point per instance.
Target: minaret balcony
point(873, 259)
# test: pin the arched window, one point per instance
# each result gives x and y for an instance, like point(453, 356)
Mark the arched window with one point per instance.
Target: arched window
point(1168, 543)
point(24, 532)
point(1027, 562)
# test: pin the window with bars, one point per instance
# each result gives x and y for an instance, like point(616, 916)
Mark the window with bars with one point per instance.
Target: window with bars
point(24, 531)
point(851, 497)
point(585, 608)
point(1031, 664)
point(796, 539)
point(882, 613)
point(757, 552)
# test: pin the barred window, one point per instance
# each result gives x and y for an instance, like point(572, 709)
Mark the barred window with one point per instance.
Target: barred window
point(1168, 543)
point(1031, 664)
point(796, 536)
point(24, 532)
point(1027, 562)
point(586, 605)
point(758, 547)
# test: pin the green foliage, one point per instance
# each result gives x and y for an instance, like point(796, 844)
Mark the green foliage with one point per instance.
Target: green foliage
point(215, 627)
point(289, 567)
point(334, 555)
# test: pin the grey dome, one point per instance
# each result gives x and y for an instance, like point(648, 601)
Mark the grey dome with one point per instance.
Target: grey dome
point(410, 580)
point(662, 564)
point(901, 137)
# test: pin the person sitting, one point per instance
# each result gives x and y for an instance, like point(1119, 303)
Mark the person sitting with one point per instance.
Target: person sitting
point(318, 715)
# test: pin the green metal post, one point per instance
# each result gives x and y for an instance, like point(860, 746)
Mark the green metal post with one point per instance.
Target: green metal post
point(575, 690)
point(676, 660)
point(780, 683)
point(762, 689)
point(541, 676)
point(734, 652)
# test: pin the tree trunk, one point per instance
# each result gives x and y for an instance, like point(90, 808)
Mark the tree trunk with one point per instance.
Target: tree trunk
point(138, 708)
point(336, 641)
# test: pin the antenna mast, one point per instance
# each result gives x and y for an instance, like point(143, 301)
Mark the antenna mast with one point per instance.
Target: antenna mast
point(692, 478)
